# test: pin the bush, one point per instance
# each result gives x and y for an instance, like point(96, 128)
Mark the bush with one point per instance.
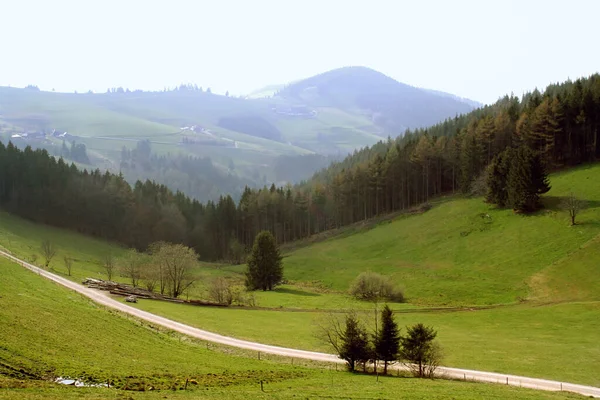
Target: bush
point(223, 291)
point(372, 286)
point(220, 291)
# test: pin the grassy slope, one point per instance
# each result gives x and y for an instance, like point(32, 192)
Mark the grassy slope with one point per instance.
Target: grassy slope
point(48, 331)
point(437, 264)
point(538, 258)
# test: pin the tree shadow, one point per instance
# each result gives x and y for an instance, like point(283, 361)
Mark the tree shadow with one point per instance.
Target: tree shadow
point(554, 203)
point(296, 292)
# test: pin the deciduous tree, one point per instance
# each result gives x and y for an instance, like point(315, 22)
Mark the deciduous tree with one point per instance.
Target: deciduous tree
point(573, 205)
point(177, 262)
point(48, 251)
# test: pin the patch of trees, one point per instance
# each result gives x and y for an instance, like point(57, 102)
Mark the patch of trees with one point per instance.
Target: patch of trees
point(516, 178)
point(77, 152)
point(166, 268)
point(417, 349)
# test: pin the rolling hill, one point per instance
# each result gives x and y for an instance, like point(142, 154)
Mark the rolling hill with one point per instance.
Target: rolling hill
point(353, 107)
point(389, 104)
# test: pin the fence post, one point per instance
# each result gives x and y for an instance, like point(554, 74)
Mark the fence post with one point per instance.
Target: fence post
point(259, 359)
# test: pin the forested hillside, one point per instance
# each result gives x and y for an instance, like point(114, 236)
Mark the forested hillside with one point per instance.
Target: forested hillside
point(560, 125)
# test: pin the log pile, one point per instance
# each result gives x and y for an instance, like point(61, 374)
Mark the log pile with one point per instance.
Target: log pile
point(122, 289)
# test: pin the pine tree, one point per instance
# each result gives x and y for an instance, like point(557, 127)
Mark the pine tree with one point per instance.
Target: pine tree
point(527, 180)
point(497, 175)
point(354, 346)
point(387, 341)
point(265, 269)
point(418, 348)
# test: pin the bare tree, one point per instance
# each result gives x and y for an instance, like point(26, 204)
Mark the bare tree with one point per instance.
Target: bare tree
point(131, 266)
point(176, 264)
point(573, 206)
point(154, 251)
point(220, 291)
point(48, 251)
point(151, 276)
point(109, 266)
point(68, 264)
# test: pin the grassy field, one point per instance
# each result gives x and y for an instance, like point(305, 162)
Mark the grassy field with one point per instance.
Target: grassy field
point(537, 276)
point(525, 340)
point(48, 331)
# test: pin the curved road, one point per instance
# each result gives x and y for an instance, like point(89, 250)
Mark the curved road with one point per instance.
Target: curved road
point(454, 373)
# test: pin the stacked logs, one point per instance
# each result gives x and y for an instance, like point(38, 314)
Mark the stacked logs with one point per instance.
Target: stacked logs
point(122, 289)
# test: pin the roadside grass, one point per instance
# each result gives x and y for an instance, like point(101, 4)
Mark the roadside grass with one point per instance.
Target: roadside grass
point(324, 384)
point(48, 331)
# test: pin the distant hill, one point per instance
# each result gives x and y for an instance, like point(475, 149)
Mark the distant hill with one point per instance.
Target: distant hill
point(388, 103)
point(330, 115)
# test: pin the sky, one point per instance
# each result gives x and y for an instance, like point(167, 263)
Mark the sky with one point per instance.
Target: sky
point(480, 50)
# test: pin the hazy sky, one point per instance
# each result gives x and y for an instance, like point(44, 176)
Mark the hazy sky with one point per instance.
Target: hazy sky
point(476, 49)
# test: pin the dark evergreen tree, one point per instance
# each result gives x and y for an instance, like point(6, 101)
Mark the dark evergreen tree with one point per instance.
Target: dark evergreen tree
point(497, 178)
point(265, 269)
point(417, 347)
point(387, 341)
point(354, 346)
point(527, 180)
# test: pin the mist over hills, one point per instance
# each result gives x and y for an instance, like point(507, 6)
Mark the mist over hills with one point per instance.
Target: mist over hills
point(325, 116)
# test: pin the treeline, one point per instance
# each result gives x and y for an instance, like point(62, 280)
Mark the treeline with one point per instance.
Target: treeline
point(560, 125)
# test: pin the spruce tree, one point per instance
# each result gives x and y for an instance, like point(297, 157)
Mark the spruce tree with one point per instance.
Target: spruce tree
point(387, 341)
point(497, 174)
point(418, 348)
point(354, 347)
point(527, 179)
point(265, 269)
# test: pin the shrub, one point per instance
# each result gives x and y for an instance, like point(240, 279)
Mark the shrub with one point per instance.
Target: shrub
point(372, 287)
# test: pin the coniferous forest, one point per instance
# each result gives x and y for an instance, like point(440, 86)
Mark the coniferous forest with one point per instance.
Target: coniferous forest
point(540, 132)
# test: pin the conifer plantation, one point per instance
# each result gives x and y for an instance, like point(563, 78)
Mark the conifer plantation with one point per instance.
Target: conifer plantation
point(542, 131)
